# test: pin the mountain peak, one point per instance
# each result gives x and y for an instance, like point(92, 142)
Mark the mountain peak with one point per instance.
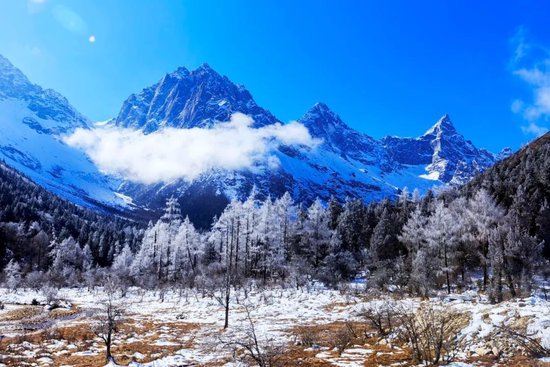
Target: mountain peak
point(10, 76)
point(204, 66)
point(320, 106)
point(47, 104)
point(204, 70)
point(443, 126)
point(321, 118)
point(186, 99)
point(181, 71)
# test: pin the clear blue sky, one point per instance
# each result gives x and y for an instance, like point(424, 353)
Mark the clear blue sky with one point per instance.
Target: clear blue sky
point(386, 67)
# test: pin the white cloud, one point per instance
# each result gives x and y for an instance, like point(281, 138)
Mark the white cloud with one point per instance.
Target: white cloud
point(535, 72)
point(534, 129)
point(517, 106)
point(521, 47)
point(170, 154)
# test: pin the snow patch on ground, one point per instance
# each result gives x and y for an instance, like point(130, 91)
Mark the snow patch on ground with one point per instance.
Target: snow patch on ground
point(273, 311)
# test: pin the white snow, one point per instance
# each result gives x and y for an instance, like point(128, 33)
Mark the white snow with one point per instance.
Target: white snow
point(47, 160)
point(274, 312)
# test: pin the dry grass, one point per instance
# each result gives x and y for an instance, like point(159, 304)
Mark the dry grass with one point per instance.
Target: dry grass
point(22, 313)
point(134, 335)
point(326, 335)
point(140, 334)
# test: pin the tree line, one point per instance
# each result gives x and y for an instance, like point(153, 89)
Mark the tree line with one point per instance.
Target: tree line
point(490, 235)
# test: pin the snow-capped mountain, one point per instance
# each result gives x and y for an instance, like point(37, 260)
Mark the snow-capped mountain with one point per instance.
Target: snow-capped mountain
point(186, 99)
point(347, 163)
point(33, 120)
point(447, 155)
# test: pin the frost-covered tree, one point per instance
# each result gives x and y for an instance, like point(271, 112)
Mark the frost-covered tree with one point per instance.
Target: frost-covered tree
point(226, 235)
point(442, 233)
point(286, 213)
point(483, 216)
point(187, 248)
point(156, 254)
point(413, 235)
point(513, 257)
point(123, 262)
point(68, 261)
point(144, 264)
point(316, 236)
point(12, 274)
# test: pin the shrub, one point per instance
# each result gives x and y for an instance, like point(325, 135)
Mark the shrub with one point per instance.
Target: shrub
point(307, 336)
point(380, 316)
point(433, 334)
point(343, 338)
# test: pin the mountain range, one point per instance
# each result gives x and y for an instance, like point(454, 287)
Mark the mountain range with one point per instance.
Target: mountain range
point(347, 163)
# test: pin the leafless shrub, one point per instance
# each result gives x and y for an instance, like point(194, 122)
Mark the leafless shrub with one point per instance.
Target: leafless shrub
point(307, 336)
point(256, 352)
point(527, 341)
point(343, 338)
point(433, 334)
point(380, 316)
point(107, 324)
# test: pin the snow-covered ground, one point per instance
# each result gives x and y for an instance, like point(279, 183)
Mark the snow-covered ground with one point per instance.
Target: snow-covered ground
point(186, 328)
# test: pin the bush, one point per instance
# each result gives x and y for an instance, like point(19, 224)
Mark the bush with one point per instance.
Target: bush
point(343, 338)
point(380, 316)
point(51, 295)
point(255, 351)
point(307, 336)
point(433, 334)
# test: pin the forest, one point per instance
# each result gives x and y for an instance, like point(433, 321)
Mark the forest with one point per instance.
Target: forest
point(491, 235)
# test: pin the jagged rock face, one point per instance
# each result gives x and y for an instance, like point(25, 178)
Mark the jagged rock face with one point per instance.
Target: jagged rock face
point(185, 99)
point(46, 104)
point(449, 157)
point(338, 137)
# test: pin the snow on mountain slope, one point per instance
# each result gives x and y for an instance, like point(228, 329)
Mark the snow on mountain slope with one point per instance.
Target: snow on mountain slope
point(33, 121)
point(447, 156)
point(346, 164)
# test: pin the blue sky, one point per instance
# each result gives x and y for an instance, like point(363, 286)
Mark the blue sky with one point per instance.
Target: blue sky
point(386, 67)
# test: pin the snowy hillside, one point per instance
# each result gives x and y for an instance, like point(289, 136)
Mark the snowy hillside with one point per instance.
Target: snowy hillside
point(33, 121)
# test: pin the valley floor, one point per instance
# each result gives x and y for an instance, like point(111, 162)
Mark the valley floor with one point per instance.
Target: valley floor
point(315, 327)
